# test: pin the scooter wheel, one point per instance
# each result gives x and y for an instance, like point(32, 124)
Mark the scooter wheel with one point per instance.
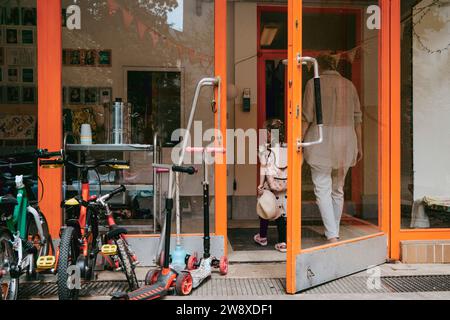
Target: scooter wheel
point(223, 266)
point(152, 277)
point(184, 284)
point(192, 263)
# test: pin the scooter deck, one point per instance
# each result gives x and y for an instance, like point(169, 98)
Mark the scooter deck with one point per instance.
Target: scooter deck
point(153, 292)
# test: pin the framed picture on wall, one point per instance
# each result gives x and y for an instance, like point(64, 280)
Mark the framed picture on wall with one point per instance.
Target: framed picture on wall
point(13, 74)
point(74, 57)
point(75, 95)
point(12, 36)
point(105, 95)
point(29, 95)
point(13, 94)
point(91, 95)
point(28, 75)
point(105, 58)
point(27, 36)
point(64, 95)
point(13, 16)
point(90, 58)
point(29, 16)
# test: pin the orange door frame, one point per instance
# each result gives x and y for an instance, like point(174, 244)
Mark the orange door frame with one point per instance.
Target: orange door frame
point(50, 129)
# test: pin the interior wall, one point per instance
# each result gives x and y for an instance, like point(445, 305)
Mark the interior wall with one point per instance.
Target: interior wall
point(245, 52)
point(431, 106)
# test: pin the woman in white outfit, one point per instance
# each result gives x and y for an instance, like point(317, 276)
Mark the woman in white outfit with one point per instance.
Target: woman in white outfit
point(342, 146)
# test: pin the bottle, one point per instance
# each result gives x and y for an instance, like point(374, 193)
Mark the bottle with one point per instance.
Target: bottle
point(117, 121)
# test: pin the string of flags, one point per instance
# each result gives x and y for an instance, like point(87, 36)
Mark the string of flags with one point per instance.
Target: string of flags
point(157, 37)
point(352, 54)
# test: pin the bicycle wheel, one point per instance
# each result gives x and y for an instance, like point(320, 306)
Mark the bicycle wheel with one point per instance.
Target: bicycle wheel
point(68, 254)
point(9, 285)
point(127, 264)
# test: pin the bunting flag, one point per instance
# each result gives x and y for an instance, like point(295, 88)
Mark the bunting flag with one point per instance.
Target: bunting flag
point(127, 18)
point(113, 7)
point(352, 55)
point(154, 37)
point(142, 29)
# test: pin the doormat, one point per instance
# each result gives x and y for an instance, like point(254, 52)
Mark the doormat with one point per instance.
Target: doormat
point(242, 239)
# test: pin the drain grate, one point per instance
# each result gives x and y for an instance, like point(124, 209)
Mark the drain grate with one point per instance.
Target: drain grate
point(219, 287)
point(397, 284)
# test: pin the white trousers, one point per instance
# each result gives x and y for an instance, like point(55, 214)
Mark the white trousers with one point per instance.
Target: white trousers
point(329, 190)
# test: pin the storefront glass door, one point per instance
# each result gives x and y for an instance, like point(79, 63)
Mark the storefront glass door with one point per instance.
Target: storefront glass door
point(335, 137)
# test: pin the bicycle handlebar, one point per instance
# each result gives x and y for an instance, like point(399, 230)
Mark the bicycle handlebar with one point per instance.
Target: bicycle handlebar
point(104, 163)
point(113, 193)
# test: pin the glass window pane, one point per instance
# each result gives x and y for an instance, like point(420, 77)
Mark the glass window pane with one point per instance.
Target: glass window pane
point(18, 77)
point(425, 113)
point(340, 176)
point(130, 72)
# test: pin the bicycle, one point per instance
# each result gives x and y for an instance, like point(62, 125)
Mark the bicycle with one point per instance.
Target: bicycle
point(79, 245)
point(25, 240)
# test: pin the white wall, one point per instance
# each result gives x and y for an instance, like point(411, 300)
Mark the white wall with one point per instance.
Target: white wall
point(431, 105)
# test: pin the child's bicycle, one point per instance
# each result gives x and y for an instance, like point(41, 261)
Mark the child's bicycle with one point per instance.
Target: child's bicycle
point(24, 234)
point(79, 246)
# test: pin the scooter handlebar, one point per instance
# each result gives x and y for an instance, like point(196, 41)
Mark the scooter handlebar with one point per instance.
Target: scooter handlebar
point(188, 170)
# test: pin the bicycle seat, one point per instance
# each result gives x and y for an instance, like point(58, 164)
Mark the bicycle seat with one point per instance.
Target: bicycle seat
point(115, 233)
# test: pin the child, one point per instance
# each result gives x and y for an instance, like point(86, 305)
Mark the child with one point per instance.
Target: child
point(273, 159)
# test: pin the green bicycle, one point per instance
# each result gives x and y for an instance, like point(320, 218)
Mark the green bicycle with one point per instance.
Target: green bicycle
point(25, 241)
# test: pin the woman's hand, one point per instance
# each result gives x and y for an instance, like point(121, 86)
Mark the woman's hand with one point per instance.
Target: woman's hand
point(360, 155)
point(260, 190)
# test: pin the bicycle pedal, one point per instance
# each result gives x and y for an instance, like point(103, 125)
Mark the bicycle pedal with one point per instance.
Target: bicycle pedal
point(46, 263)
point(109, 249)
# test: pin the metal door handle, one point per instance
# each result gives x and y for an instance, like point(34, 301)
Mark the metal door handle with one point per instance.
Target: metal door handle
point(318, 99)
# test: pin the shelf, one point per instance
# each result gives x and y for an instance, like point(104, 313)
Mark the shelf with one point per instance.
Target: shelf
point(110, 147)
point(110, 187)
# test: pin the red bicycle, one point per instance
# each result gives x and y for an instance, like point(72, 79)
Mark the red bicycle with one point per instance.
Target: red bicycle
point(79, 244)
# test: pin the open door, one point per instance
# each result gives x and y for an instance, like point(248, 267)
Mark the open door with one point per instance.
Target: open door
point(338, 116)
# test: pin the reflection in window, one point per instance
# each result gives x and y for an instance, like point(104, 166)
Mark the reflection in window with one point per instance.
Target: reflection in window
point(425, 150)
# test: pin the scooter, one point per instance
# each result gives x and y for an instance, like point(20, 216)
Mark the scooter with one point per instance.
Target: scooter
point(203, 269)
point(161, 281)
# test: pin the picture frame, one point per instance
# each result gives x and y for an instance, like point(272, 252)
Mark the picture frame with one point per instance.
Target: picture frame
point(13, 74)
point(13, 94)
point(105, 58)
point(27, 37)
point(91, 95)
point(13, 16)
point(90, 58)
point(105, 95)
point(64, 95)
point(75, 95)
point(28, 75)
point(12, 36)
point(29, 17)
point(29, 95)
point(74, 57)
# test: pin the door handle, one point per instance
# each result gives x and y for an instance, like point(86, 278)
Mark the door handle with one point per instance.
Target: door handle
point(318, 100)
